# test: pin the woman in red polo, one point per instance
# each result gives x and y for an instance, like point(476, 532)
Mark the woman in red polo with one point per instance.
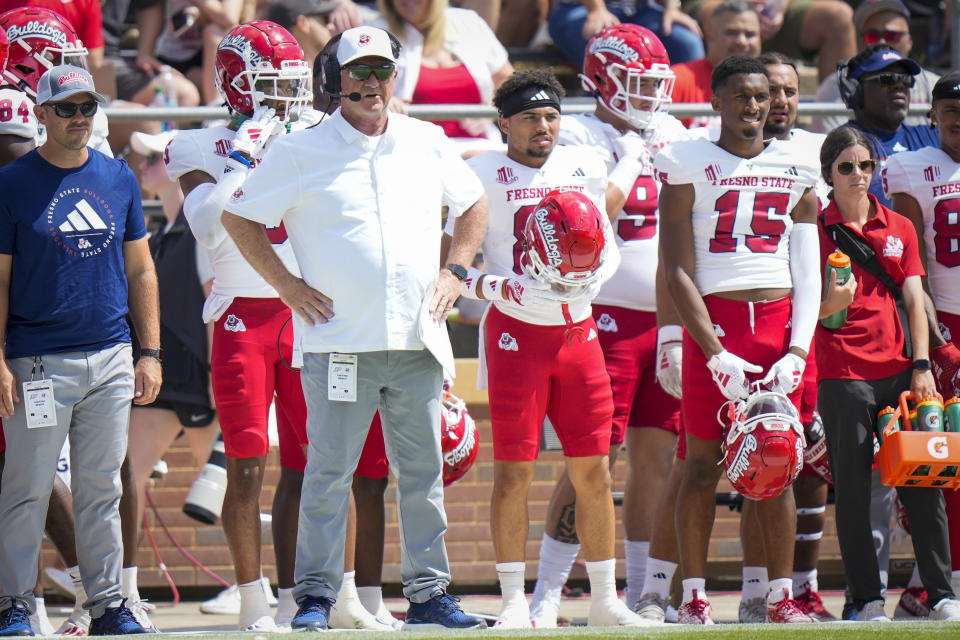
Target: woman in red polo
point(862, 368)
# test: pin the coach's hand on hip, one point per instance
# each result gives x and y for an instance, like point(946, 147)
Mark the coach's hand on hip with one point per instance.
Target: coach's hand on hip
point(8, 390)
point(445, 294)
point(147, 379)
point(305, 301)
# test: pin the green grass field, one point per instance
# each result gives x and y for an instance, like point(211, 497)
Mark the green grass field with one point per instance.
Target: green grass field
point(840, 631)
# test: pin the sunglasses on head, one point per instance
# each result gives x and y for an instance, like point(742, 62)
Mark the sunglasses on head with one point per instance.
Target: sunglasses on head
point(361, 72)
point(846, 168)
point(891, 79)
point(154, 158)
point(873, 36)
point(69, 109)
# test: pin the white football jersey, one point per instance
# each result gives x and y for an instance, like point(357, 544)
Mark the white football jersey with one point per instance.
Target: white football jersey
point(206, 150)
point(636, 228)
point(741, 211)
point(514, 190)
point(933, 179)
point(17, 119)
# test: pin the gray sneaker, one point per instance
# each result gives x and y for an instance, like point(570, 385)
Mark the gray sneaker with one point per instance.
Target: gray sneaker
point(652, 607)
point(753, 610)
point(873, 611)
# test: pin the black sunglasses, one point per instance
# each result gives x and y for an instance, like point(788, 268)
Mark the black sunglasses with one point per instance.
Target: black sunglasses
point(891, 79)
point(69, 109)
point(846, 168)
point(360, 72)
point(873, 36)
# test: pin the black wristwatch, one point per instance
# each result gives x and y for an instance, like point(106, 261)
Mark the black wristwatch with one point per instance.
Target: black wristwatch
point(156, 354)
point(457, 270)
point(921, 365)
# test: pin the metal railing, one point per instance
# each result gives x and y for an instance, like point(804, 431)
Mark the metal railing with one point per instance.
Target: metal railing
point(452, 111)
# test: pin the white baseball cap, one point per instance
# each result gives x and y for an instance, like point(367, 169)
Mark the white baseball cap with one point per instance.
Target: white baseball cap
point(363, 42)
point(145, 143)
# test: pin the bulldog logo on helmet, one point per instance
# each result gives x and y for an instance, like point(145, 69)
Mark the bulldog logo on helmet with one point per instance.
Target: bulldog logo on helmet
point(616, 46)
point(741, 462)
point(241, 46)
point(35, 28)
point(549, 234)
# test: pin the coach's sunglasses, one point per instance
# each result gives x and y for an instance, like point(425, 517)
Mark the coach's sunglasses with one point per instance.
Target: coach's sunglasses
point(69, 109)
point(846, 168)
point(873, 36)
point(360, 72)
point(891, 79)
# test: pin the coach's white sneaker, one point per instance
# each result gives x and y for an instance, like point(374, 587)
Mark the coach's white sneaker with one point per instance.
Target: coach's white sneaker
point(263, 624)
point(514, 614)
point(349, 613)
point(614, 613)
point(652, 607)
point(946, 609)
point(873, 611)
point(544, 614)
point(141, 610)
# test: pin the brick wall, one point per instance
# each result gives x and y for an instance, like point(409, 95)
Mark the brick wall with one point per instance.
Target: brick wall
point(468, 539)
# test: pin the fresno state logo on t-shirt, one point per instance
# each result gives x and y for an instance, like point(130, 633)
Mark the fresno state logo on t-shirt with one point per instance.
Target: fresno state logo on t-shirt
point(81, 222)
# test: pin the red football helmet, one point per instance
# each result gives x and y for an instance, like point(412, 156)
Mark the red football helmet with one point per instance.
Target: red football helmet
point(458, 438)
point(763, 450)
point(4, 49)
point(261, 61)
point(627, 69)
point(40, 39)
point(563, 240)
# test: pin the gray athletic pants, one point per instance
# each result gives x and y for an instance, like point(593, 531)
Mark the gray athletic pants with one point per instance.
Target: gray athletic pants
point(849, 411)
point(405, 387)
point(93, 391)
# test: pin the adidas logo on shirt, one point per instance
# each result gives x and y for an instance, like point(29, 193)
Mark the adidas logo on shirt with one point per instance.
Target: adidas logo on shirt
point(579, 173)
point(83, 218)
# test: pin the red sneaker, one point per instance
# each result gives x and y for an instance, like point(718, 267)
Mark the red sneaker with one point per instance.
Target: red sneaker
point(787, 611)
point(696, 611)
point(913, 604)
point(811, 604)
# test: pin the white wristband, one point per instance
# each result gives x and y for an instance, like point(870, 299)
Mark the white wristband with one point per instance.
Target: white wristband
point(492, 287)
point(624, 175)
point(669, 333)
point(468, 288)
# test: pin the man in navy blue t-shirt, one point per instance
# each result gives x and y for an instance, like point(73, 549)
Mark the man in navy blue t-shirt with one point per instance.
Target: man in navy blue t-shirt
point(876, 85)
point(73, 261)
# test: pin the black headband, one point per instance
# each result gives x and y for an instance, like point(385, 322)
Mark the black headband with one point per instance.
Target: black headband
point(947, 87)
point(530, 97)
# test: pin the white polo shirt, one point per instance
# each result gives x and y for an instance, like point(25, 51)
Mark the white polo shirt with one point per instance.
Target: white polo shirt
point(364, 217)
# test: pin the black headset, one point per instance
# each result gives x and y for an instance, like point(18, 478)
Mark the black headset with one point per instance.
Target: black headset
point(851, 89)
point(330, 67)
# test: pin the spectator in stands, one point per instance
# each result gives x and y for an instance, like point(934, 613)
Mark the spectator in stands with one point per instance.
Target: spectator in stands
point(449, 56)
point(84, 15)
point(876, 84)
point(860, 376)
point(308, 20)
point(879, 22)
point(192, 31)
point(797, 28)
point(734, 30)
point(526, 16)
point(574, 22)
point(137, 78)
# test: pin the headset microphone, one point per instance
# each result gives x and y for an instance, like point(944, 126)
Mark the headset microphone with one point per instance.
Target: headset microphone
point(353, 97)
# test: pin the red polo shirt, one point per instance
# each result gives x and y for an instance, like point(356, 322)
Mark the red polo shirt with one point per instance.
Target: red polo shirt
point(692, 83)
point(870, 345)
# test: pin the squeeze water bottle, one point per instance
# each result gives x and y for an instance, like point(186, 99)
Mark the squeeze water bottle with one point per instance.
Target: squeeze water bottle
point(840, 263)
point(168, 89)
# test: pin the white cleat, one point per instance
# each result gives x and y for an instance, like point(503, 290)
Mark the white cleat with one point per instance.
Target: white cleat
point(614, 613)
point(350, 614)
point(652, 607)
point(77, 625)
point(227, 602)
point(40, 622)
point(385, 617)
point(514, 614)
point(544, 614)
point(263, 624)
point(141, 611)
point(946, 609)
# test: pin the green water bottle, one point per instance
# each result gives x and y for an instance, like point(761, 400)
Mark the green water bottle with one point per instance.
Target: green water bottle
point(839, 262)
point(951, 415)
point(883, 419)
point(930, 414)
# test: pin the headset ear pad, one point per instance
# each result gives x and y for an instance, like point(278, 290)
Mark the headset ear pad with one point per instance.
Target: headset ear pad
point(330, 68)
point(851, 90)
